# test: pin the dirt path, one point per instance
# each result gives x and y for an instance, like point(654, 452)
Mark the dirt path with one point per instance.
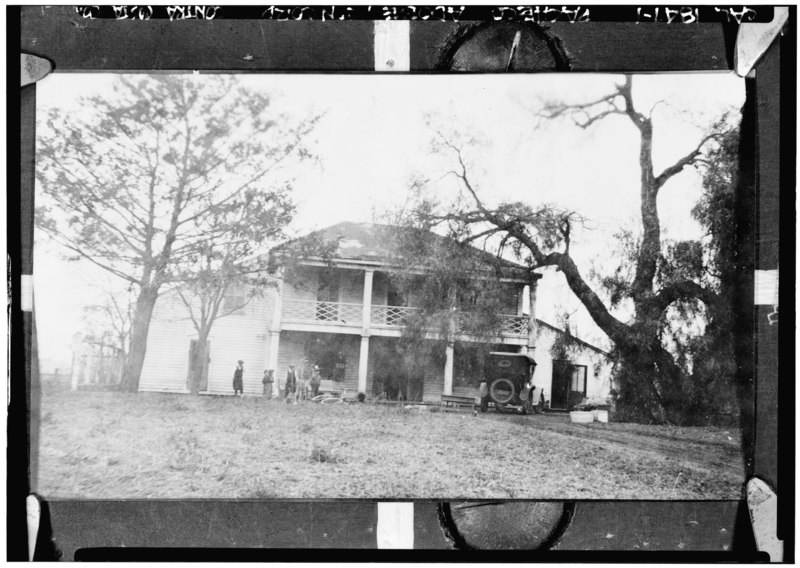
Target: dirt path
point(705, 448)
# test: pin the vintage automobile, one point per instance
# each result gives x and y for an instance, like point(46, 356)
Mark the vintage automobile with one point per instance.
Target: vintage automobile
point(509, 383)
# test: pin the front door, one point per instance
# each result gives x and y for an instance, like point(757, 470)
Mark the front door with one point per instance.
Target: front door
point(198, 374)
point(328, 297)
point(569, 385)
point(562, 377)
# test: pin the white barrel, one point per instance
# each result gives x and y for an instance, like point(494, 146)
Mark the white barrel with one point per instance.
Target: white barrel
point(581, 416)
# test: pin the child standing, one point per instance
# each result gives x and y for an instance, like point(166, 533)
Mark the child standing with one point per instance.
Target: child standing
point(268, 381)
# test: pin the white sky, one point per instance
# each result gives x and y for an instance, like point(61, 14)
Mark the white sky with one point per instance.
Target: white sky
point(374, 139)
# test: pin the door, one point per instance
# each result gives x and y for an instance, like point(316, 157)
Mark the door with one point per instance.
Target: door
point(198, 374)
point(569, 385)
point(562, 377)
point(328, 297)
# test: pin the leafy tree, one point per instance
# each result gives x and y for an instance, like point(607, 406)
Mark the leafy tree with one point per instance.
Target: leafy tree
point(713, 353)
point(227, 270)
point(459, 298)
point(663, 282)
point(135, 182)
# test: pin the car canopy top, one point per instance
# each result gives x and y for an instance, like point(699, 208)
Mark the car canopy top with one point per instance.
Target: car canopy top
point(527, 356)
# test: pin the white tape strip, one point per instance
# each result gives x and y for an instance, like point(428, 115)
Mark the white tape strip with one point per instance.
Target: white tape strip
point(763, 505)
point(766, 288)
point(33, 68)
point(392, 45)
point(34, 510)
point(395, 525)
point(26, 293)
point(753, 40)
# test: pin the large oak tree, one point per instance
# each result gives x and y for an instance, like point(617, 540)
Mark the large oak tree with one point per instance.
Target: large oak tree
point(660, 279)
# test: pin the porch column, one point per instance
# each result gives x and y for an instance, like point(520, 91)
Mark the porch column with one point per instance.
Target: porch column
point(272, 356)
point(274, 334)
point(362, 364)
point(448, 369)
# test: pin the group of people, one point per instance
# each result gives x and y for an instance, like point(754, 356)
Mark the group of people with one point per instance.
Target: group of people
point(297, 386)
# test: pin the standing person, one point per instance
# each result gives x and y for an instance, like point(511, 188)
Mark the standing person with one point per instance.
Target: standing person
point(238, 385)
point(291, 384)
point(268, 381)
point(316, 380)
point(302, 384)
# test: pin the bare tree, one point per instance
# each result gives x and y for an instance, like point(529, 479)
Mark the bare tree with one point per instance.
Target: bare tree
point(109, 323)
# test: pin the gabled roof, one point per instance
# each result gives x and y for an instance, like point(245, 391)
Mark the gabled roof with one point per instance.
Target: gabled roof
point(372, 243)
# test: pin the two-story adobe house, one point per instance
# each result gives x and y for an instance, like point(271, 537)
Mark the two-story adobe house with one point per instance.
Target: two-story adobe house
point(343, 315)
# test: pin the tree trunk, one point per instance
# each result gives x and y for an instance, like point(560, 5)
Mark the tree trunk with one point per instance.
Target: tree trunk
point(199, 362)
point(139, 330)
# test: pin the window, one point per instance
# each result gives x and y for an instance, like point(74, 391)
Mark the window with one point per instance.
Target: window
point(394, 297)
point(510, 299)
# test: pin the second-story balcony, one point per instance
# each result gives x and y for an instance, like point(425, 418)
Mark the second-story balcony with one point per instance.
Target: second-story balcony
point(333, 315)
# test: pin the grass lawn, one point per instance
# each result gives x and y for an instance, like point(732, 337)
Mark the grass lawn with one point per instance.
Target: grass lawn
point(96, 445)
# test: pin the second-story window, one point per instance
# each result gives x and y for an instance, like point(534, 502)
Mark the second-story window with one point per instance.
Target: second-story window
point(327, 297)
point(394, 297)
point(510, 299)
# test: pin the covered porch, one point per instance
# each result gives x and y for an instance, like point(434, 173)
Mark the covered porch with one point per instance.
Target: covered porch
point(386, 369)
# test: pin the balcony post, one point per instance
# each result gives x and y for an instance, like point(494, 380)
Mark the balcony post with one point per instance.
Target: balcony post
point(533, 328)
point(366, 312)
point(367, 302)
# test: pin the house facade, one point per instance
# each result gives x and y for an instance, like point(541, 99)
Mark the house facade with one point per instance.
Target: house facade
point(343, 315)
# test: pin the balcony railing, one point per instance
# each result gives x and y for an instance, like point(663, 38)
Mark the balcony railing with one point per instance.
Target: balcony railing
point(340, 313)
point(335, 313)
point(515, 325)
point(391, 316)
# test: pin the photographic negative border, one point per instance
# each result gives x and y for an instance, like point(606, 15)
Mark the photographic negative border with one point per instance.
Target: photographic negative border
point(70, 39)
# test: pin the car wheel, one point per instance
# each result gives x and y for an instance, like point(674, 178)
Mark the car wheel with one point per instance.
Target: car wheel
point(502, 391)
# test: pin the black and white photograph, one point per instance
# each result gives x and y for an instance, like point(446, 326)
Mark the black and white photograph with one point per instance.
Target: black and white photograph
point(505, 286)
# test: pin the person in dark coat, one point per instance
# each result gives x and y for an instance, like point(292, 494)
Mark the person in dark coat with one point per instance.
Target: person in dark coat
point(238, 385)
point(291, 384)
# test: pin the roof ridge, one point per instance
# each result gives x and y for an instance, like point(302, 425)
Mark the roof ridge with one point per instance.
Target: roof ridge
point(373, 247)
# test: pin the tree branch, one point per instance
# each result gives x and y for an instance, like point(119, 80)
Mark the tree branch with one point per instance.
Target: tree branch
point(65, 243)
point(684, 290)
point(686, 160)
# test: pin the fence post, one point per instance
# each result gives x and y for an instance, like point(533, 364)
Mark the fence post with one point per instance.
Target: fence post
point(75, 372)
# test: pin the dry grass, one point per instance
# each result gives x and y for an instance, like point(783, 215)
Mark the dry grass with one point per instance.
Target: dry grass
point(117, 445)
